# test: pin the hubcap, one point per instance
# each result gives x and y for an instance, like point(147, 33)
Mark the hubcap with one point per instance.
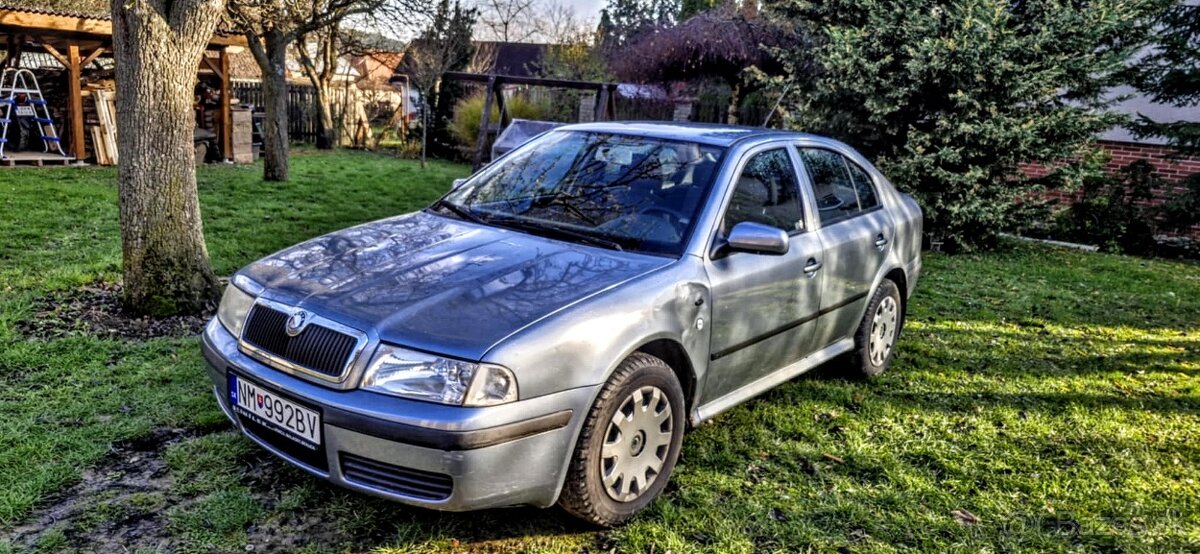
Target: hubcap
point(883, 330)
point(636, 444)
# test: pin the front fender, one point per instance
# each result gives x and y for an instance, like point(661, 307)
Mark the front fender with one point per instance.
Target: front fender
point(583, 344)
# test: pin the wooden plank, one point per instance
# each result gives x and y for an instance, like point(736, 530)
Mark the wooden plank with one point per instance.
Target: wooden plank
point(75, 96)
point(226, 108)
point(105, 113)
point(97, 145)
point(513, 80)
point(48, 22)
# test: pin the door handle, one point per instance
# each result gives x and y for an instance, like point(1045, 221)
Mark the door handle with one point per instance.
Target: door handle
point(812, 266)
point(880, 241)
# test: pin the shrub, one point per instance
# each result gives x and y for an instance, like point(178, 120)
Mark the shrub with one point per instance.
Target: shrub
point(465, 125)
point(1117, 212)
point(1113, 210)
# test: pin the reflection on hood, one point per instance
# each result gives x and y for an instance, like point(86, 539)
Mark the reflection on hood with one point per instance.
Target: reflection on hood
point(441, 285)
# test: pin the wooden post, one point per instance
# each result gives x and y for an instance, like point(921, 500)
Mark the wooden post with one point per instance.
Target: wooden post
point(75, 92)
point(602, 104)
point(485, 121)
point(226, 108)
point(502, 106)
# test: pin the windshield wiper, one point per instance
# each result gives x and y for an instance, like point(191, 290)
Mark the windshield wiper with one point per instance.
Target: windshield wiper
point(560, 232)
point(459, 211)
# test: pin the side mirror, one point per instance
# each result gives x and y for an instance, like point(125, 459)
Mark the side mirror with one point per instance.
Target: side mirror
point(758, 239)
point(457, 183)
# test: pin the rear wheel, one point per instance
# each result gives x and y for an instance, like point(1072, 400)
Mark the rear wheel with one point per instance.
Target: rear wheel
point(629, 443)
point(875, 340)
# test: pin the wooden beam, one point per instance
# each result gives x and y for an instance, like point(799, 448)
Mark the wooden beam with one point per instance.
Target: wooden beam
point(54, 53)
point(602, 105)
point(213, 66)
point(485, 121)
point(16, 42)
point(536, 81)
point(83, 26)
point(75, 93)
point(226, 108)
point(502, 107)
point(92, 57)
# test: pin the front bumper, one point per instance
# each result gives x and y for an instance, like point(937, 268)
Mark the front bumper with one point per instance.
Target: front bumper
point(504, 455)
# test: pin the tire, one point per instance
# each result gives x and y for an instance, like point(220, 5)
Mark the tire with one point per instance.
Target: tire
point(586, 495)
point(873, 352)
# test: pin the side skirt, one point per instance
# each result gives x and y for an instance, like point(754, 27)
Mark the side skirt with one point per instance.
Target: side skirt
point(768, 382)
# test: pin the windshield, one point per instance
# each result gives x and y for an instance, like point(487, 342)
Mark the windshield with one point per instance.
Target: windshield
point(616, 191)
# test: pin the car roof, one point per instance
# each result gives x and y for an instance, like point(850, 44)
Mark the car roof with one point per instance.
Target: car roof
point(704, 133)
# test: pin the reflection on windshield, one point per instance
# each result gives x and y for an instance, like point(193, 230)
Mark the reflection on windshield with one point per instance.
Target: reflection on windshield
point(629, 192)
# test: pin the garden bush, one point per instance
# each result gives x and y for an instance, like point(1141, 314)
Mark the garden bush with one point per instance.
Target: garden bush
point(1117, 211)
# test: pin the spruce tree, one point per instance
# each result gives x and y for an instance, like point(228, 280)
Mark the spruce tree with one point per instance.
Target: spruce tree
point(951, 98)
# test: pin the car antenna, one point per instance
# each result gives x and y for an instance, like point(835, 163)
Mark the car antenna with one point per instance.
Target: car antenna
point(779, 101)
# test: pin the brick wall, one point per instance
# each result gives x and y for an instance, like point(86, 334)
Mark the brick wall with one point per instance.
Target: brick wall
point(1171, 170)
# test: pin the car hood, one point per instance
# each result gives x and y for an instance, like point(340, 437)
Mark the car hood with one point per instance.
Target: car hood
point(441, 285)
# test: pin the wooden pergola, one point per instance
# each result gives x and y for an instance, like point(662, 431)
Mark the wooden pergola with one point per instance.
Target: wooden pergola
point(76, 41)
point(494, 91)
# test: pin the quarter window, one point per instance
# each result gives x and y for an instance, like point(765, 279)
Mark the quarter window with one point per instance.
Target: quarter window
point(867, 198)
point(842, 188)
point(766, 192)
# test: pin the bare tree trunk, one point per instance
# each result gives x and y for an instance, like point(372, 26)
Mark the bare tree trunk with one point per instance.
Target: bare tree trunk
point(326, 130)
point(158, 45)
point(271, 53)
point(321, 78)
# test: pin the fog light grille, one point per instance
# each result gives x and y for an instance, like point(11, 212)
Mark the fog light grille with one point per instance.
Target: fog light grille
point(425, 485)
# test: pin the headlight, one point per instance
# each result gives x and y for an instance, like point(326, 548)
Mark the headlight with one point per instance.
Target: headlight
point(235, 305)
point(401, 372)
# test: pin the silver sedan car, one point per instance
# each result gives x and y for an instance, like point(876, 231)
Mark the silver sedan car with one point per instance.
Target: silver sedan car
point(547, 331)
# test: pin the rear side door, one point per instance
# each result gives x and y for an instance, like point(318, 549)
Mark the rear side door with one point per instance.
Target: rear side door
point(764, 306)
point(856, 233)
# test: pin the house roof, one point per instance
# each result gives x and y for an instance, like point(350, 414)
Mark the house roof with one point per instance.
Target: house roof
point(243, 67)
point(517, 59)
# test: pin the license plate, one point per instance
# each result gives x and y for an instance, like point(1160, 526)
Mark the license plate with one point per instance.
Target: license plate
point(268, 409)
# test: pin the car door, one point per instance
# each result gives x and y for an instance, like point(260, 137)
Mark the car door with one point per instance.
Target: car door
point(856, 233)
point(764, 306)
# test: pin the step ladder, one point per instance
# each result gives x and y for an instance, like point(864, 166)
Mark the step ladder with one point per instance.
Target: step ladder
point(17, 81)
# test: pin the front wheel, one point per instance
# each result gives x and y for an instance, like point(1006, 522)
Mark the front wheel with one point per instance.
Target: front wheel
point(629, 443)
point(875, 340)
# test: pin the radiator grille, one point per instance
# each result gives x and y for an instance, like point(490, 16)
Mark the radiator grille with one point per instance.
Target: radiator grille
point(316, 348)
point(426, 485)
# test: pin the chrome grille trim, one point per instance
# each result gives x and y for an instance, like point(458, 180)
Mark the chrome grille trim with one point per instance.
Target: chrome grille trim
point(310, 340)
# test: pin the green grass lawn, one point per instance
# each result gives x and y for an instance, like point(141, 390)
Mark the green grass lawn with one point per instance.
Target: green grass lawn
point(1052, 394)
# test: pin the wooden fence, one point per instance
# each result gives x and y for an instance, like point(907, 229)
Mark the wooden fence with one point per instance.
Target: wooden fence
point(302, 107)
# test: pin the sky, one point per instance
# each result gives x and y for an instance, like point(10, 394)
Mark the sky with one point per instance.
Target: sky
point(587, 9)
